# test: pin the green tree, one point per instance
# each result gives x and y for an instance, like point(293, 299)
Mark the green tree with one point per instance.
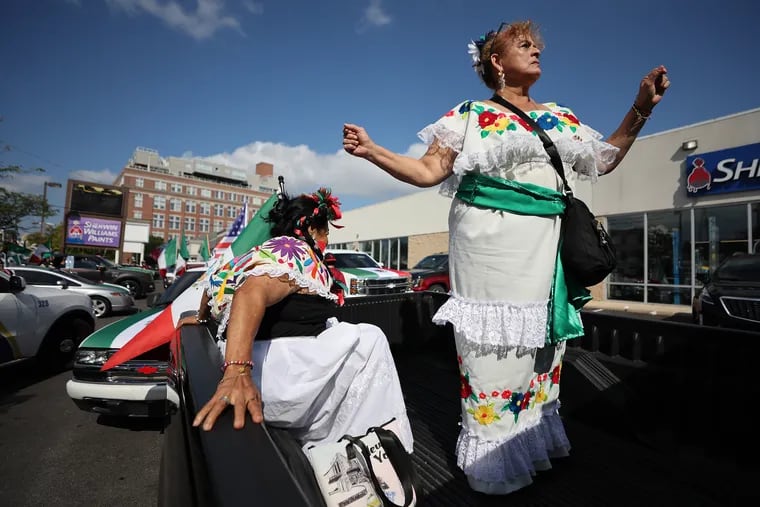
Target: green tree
point(15, 206)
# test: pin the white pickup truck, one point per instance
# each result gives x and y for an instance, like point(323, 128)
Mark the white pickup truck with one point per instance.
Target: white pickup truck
point(41, 323)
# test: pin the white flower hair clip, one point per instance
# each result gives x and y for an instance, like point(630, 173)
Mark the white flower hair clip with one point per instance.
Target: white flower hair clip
point(474, 51)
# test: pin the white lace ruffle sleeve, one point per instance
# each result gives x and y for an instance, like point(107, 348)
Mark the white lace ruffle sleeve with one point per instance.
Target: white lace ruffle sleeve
point(490, 141)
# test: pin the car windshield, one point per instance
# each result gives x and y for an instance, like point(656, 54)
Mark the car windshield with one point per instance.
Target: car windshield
point(431, 262)
point(354, 260)
point(178, 286)
point(739, 269)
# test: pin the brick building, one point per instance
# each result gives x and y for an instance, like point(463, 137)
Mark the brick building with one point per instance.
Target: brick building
point(199, 197)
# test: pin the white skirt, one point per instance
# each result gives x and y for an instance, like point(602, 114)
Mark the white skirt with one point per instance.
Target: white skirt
point(342, 381)
point(502, 268)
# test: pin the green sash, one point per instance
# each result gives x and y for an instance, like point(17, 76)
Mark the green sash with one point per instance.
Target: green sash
point(566, 297)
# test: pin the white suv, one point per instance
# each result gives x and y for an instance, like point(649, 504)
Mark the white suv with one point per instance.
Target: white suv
point(364, 276)
point(41, 323)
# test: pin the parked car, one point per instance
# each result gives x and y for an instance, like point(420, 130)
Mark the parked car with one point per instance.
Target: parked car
point(136, 388)
point(431, 273)
point(731, 294)
point(106, 298)
point(99, 269)
point(364, 276)
point(41, 323)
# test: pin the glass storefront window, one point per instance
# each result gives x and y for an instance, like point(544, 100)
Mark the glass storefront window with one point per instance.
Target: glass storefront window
point(669, 259)
point(404, 256)
point(627, 233)
point(720, 232)
point(669, 295)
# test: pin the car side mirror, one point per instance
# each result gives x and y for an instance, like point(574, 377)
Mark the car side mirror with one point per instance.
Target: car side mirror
point(16, 283)
point(63, 284)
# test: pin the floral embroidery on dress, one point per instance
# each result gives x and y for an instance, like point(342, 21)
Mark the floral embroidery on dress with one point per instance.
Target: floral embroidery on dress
point(486, 408)
point(463, 110)
point(494, 121)
point(283, 255)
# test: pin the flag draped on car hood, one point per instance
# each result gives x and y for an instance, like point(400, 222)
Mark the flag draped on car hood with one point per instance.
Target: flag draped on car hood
point(162, 329)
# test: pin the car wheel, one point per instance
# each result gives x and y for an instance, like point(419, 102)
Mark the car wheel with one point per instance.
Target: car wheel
point(100, 306)
point(132, 286)
point(61, 342)
point(437, 287)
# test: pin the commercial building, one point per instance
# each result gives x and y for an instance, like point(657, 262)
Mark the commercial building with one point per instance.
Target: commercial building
point(680, 202)
point(173, 195)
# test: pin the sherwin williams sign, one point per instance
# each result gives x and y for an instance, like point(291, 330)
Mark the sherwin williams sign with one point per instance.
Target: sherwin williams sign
point(88, 231)
point(724, 171)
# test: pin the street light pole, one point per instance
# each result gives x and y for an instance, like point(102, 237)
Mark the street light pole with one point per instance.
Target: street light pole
point(51, 184)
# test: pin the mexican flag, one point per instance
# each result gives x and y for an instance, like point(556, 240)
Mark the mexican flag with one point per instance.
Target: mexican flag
point(205, 252)
point(184, 255)
point(167, 257)
point(162, 329)
point(39, 253)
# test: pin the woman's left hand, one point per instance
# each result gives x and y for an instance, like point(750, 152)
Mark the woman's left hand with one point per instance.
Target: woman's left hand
point(237, 389)
point(652, 88)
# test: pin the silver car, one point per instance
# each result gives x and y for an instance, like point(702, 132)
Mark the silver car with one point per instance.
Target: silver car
point(106, 298)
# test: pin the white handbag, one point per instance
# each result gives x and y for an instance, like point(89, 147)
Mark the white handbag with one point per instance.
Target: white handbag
point(370, 470)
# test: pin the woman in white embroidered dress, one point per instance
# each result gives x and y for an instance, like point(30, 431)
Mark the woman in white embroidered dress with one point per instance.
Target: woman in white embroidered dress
point(501, 263)
point(318, 377)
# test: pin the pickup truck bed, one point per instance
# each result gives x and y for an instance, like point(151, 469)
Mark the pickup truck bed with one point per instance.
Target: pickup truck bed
point(657, 413)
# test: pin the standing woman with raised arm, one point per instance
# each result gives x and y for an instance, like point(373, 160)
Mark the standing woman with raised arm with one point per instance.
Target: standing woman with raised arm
point(502, 263)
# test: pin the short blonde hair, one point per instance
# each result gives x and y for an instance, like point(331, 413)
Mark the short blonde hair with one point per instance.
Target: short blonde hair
point(496, 42)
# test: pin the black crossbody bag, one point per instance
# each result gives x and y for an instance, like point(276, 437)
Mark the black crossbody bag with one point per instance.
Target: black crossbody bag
point(587, 252)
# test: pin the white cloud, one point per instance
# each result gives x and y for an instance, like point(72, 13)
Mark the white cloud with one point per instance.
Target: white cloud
point(104, 176)
point(305, 170)
point(32, 182)
point(209, 15)
point(253, 7)
point(374, 15)
point(28, 183)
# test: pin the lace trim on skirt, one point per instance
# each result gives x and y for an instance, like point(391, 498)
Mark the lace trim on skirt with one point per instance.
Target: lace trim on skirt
point(516, 456)
point(493, 326)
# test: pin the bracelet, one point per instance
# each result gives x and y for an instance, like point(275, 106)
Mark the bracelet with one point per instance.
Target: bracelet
point(201, 321)
point(640, 116)
point(242, 364)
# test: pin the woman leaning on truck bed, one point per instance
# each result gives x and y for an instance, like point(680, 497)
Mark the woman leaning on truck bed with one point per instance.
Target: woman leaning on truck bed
point(287, 359)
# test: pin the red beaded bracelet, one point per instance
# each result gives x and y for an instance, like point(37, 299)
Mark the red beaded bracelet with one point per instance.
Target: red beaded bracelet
point(226, 364)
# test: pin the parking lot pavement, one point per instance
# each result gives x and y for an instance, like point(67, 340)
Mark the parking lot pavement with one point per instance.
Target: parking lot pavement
point(56, 454)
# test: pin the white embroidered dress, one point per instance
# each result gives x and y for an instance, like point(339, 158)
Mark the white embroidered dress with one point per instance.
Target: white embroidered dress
point(342, 381)
point(501, 267)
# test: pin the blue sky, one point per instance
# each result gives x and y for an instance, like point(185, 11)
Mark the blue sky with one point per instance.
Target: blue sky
point(84, 82)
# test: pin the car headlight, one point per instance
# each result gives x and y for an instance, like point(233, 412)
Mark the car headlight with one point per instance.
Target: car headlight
point(92, 357)
point(706, 297)
point(358, 286)
point(417, 281)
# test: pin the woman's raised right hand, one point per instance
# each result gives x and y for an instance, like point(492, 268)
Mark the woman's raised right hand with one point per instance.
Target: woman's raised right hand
point(356, 141)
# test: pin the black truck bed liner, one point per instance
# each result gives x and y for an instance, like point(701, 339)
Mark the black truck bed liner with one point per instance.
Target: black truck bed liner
point(657, 413)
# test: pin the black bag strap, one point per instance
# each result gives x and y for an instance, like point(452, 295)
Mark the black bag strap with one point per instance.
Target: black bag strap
point(545, 139)
point(391, 444)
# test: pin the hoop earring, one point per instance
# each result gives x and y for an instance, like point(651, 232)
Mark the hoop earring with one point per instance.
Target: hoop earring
point(502, 81)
